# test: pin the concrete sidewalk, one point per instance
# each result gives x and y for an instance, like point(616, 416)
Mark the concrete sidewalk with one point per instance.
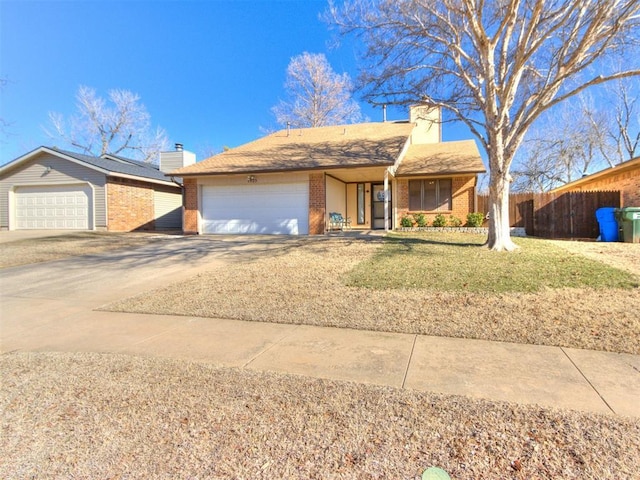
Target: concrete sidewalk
point(548, 376)
point(52, 307)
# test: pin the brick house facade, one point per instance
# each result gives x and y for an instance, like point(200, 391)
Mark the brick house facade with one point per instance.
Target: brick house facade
point(624, 177)
point(286, 183)
point(130, 205)
point(463, 197)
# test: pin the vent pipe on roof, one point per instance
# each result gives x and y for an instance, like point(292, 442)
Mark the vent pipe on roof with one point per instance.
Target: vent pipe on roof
point(384, 113)
point(288, 128)
point(178, 147)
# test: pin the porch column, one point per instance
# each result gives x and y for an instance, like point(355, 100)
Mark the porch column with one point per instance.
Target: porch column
point(317, 203)
point(386, 200)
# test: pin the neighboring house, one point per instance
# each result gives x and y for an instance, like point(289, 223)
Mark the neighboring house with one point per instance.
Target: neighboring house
point(290, 181)
point(624, 177)
point(49, 188)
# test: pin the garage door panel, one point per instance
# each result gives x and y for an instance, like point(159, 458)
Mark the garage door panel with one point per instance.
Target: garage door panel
point(256, 209)
point(52, 207)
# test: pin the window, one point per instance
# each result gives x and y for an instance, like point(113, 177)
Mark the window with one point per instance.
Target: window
point(430, 195)
point(361, 218)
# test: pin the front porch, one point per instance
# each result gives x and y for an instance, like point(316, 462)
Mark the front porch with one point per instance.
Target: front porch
point(363, 197)
point(374, 199)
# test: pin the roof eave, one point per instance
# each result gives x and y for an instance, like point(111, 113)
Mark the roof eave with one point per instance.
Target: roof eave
point(628, 165)
point(284, 170)
point(426, 174)
point(144, 179)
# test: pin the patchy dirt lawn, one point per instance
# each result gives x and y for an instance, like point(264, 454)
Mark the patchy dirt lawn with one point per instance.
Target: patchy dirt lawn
point(111, 416)
point(625, 256)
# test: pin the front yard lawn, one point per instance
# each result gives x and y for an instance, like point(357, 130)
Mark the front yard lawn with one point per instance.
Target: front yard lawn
point(539, 295)
point(456, 263)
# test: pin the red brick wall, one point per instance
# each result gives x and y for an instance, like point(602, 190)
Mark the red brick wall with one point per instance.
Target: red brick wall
point(190, 216)
point(627, 182)
point(317, 203)
point(129, 205)
point(462, 203)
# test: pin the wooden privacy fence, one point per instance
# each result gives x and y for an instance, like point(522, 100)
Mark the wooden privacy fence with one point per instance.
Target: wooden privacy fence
point(556, 215)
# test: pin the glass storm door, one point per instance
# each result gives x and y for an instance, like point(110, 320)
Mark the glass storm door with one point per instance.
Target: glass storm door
point(377, 205)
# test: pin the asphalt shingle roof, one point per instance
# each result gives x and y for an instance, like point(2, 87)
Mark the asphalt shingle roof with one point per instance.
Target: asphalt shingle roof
point(123, 165)
point(357, 145)
point(442, 158)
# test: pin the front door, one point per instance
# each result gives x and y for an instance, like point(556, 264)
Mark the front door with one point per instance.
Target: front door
point(377, 205)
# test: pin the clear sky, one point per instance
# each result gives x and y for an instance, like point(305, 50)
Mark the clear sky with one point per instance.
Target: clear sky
point(208, 72)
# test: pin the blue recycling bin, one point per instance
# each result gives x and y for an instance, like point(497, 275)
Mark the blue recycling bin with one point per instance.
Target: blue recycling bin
point(608, 224)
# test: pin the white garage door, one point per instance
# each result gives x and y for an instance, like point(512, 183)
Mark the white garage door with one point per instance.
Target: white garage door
point(52, 207)
point(256, 209)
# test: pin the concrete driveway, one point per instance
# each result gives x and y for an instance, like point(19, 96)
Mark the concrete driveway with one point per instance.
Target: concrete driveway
point(16, 235)
point(53, 306)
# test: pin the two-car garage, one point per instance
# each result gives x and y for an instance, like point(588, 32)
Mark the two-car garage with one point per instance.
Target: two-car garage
point(254, 208)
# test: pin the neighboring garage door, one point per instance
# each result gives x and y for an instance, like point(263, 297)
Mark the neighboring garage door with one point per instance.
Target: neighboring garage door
point(167, 210)
point(256, 209)
point(52, 207)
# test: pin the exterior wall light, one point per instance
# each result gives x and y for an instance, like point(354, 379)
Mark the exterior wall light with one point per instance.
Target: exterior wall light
point(252, 179)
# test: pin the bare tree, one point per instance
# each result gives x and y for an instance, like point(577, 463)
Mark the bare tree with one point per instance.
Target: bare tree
point(579, 137)
point(624, 125)
point(569, 141)
point(120, 125)
point(495, 65)
point(316, 96)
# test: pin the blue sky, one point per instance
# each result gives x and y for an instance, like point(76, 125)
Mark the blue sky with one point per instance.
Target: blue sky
point(208, 72)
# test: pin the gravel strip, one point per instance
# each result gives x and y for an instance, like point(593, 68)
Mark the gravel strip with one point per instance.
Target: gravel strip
point(305, 285)
point(112, 416)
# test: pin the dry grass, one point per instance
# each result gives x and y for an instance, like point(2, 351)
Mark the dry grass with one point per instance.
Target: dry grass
point(114, 416)
point(305, 285)
point(110, 416)
point(55, 247)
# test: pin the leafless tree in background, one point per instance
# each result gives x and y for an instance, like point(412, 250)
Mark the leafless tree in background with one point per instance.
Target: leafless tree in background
point(580, 137)
point(624, 126)
point(495, 65)
point(119, 126)
point(316, 96)
point(564, 145)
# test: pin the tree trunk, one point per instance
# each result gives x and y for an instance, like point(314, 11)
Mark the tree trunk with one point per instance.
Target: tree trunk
point(499, 230)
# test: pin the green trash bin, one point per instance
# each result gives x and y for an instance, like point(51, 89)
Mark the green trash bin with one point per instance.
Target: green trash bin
point(629, 221)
